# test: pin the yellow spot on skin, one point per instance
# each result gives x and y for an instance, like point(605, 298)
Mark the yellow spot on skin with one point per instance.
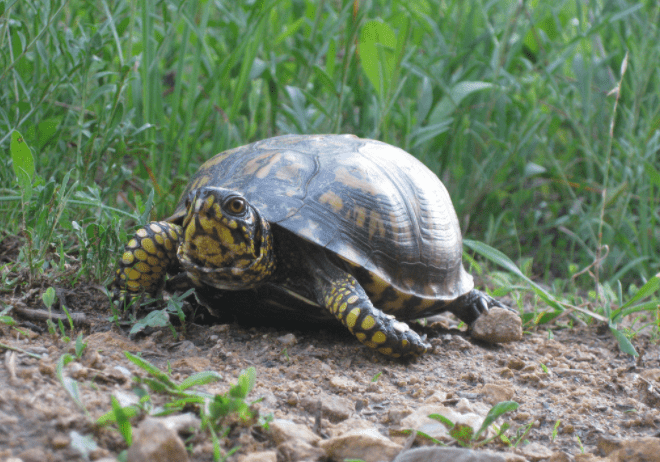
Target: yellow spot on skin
point(141, 254)
point(361, 336)
point(351, 318)
point(132, 274)
point(148, 245)
point(142, 267)
point(134, 285)
point(168, 245)
point(127, 258)
point(142, 232)
point(343, 306)
point(388, 351)
point(404, 343)
point(368, 323)
point(352, 299)
point(379, 337)
point(370, 344)
point(172, 234)
point(233, 224)
point(133, 243)
point(153, 261)
point(333, 200)
point(155, 228)
point(159, 239)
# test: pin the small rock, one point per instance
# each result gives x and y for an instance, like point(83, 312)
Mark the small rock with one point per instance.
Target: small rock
point(287, 340)
point(536, 452)
point(560, 456)
point(494, 393)
point(34, 455)
point(366, 444)
point(419, 420)
point(263, 456)
point(497, 325)
point(632, 450)
point(153, 441)
point(588, 457)
point(440, 454)
point(294, 442)
point(341, 383)
point(282, 430)
point(60, 441)
point(333, 408)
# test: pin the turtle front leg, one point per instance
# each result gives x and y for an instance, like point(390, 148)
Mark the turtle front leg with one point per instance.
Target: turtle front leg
point(345, 298)
point(147, 258)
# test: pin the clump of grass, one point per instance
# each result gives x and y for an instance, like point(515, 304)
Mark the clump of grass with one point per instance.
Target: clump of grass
point(548, 148)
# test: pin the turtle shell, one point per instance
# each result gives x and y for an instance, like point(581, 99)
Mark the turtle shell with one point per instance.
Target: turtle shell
point(370, 203)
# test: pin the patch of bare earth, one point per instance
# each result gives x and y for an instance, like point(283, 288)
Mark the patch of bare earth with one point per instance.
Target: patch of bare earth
point(319, 386)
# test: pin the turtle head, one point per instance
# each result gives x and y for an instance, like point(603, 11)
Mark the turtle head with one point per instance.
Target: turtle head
point(226, 243)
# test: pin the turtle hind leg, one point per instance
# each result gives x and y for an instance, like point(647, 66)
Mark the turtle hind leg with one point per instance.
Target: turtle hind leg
point(342, 295)
point(146, 259)
point(470, 306)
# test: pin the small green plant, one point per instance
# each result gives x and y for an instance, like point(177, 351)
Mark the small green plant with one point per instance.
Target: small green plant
point(555, 429)
point(465, 434)
point(161, 318)
point(218, 412)
point(375, 378)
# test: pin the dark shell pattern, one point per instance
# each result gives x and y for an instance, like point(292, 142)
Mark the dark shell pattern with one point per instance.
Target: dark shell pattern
point(372, 204)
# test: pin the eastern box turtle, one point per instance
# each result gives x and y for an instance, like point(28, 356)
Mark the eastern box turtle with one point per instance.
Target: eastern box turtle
point(318, 225)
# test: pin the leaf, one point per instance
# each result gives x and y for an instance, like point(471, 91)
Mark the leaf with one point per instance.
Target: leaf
point(201, 378)
point(448, 103)
point(22, 160)
point(498, 257)
point(377, 55)
point(495, 412)
point(443, 420)
point(624, 342)
point(150, 369)
point(122, 421)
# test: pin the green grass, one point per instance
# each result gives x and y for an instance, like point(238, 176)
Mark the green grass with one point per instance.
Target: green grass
point(511, 104)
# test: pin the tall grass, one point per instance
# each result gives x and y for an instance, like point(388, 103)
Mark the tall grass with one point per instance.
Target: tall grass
point(509, 102)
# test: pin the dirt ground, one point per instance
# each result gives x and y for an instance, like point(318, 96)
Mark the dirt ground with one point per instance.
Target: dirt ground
point(574, 386)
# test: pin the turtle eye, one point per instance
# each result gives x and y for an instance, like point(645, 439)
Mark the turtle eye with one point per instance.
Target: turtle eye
point(236, 205)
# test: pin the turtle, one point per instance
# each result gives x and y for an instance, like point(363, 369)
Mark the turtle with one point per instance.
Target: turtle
point(316, 227)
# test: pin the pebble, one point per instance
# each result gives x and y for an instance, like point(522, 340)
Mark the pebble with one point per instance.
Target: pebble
point(287, 340)
point(442, 454)
point(498, 325)
point(365, 444)
point(333, 408)
point(631, 450)
point(294, 442)
point(153, 441)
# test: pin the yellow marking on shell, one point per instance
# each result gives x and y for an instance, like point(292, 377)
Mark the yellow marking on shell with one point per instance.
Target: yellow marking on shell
point(361, 336)
point(215, 160)
point(127, 258)
point(360, 216)
point(142, 267)
point(148, 245)
point(333, 200)
point(159, 239)
point(354, 182)
point(155, 228)
point(132, 274)
point(388, 351)
point(376, 224)
point(379, 337)
point(142, 232)
point(133, 243)
point(368, 322)
point(351, 317)
point(140, 254)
